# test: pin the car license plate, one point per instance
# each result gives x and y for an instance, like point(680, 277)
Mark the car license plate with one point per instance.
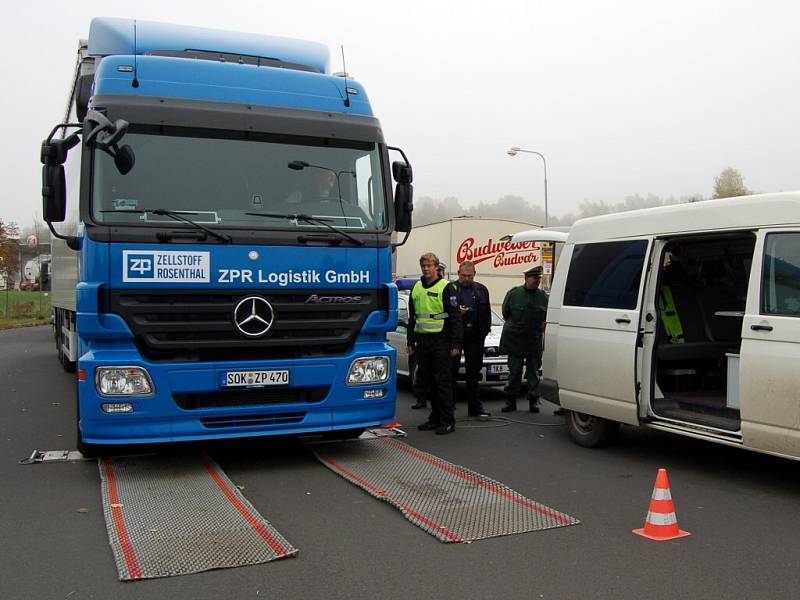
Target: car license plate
point(255, 378)
point(498, 369)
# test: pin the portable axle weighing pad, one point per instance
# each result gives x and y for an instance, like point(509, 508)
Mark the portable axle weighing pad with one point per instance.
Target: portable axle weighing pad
point(450, 502)
point(174, 515)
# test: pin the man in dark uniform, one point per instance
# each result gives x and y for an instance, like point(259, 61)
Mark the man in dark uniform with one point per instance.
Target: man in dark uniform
point(419, 393)
point(525, 311)
point(476, 315)
point(434, 338)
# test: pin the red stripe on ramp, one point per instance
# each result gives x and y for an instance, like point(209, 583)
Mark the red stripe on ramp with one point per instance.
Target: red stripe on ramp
point(490, 487)
point(382, 493)
point(255, 523)
point(134, 571)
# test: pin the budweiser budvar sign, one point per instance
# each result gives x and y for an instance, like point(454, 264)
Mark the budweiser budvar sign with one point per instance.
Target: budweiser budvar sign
point(502, 254)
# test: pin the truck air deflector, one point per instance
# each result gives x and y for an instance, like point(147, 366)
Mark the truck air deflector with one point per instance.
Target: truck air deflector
point(110, 36)
point(162, 76)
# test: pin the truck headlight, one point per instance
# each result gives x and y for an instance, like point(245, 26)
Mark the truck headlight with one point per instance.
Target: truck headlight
point(123, 381)
point(371, 369)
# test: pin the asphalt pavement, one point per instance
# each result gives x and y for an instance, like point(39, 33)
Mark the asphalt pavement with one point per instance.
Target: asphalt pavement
point(741, 508)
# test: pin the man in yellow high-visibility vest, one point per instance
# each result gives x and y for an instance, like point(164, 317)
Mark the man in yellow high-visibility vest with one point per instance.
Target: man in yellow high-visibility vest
point(434, 337)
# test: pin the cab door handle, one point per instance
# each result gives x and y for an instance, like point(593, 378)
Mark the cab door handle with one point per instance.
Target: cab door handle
point(761, 327)
point(626, 320)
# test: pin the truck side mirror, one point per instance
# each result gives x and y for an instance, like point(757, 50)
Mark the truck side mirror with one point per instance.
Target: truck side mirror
point(402, 172)
point(54, 193)
point(403, 206)
point(403, 194)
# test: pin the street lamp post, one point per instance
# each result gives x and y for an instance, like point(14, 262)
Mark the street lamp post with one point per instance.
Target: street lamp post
point(513, 152)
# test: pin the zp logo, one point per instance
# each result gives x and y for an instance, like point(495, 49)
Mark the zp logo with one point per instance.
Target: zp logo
point(138, 266)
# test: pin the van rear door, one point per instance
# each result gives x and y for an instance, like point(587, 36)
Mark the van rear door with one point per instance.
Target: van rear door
point(768, 373)
point(599, 326)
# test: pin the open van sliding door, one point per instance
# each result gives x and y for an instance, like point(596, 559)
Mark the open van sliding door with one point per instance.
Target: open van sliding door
point(646, 351)
point(769, 361)
point(598, 328)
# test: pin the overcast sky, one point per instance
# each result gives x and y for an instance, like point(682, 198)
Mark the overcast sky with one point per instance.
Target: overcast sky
point(622, 97)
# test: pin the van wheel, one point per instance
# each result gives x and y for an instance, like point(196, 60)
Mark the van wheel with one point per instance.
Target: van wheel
point(590, 431)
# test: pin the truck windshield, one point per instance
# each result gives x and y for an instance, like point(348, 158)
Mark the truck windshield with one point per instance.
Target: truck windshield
point(217, 180)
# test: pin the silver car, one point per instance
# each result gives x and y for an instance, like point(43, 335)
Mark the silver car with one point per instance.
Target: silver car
point(495, 366)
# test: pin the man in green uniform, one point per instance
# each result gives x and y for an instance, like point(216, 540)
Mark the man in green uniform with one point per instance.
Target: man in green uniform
point(525, 311)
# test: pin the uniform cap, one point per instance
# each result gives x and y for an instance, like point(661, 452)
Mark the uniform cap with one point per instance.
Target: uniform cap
point(535, 271)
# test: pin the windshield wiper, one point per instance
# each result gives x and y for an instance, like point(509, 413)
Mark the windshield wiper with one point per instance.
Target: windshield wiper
point(177, 216)
point(308, 219)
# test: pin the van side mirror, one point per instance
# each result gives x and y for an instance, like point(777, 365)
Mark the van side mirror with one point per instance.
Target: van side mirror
point(54, 193)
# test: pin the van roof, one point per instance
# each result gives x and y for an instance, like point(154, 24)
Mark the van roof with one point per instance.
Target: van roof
point(744, 212)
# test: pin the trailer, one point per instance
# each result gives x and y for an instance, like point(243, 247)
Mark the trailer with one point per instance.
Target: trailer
point(499, 262)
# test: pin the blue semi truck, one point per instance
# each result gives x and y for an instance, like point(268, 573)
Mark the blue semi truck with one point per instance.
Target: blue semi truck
point(222, 266)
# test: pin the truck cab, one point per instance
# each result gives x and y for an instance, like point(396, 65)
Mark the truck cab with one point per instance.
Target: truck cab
point(225, 260)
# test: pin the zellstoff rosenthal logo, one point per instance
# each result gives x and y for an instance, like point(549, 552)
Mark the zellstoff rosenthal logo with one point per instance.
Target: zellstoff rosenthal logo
point(253, 316)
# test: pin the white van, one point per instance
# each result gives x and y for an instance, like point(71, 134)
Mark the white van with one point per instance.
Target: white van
point(682, 318)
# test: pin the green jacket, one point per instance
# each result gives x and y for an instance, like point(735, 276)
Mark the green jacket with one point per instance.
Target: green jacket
point(525, 312)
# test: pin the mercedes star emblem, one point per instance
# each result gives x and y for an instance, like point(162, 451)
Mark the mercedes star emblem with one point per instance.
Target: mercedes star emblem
point(253, 316)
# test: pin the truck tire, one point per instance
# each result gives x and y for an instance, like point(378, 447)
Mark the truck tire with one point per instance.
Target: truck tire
point(590, 431)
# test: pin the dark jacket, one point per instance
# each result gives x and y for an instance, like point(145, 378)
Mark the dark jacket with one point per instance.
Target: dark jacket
point(525, 312)
point(453, 329)
point(483, 311)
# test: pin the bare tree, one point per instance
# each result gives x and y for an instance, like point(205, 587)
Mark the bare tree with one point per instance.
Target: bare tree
point(730, 183)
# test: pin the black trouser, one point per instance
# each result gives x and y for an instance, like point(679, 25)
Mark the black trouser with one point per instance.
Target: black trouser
point(433, 366)
point(531, 362)
point(472, 349)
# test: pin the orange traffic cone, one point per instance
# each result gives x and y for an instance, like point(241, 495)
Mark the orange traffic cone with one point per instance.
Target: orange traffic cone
point(661, 523)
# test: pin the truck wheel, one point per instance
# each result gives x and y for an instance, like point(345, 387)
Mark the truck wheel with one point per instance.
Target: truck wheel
point(590, 431)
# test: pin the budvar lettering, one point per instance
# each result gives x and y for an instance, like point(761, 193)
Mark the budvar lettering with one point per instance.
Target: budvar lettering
point(468, 250)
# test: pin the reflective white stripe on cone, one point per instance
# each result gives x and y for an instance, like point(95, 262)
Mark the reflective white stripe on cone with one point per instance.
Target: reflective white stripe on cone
point(661, 523)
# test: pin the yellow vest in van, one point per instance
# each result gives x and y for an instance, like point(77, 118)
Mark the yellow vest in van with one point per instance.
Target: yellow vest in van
point(669, 316)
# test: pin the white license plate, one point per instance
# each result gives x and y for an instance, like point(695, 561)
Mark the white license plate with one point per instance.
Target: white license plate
point(497, 369)
point(255, 378)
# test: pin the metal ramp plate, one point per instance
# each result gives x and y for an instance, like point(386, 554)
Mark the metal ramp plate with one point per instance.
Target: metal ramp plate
point(450, 502)
point(174, 515)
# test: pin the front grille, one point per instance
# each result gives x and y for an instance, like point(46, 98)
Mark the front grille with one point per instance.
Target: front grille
point(198, 325)
point(250, 397)
point(253, 420)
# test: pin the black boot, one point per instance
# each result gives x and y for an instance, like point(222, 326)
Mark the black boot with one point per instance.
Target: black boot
point(419, 404)
point(533, 405)
point(511, 406)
